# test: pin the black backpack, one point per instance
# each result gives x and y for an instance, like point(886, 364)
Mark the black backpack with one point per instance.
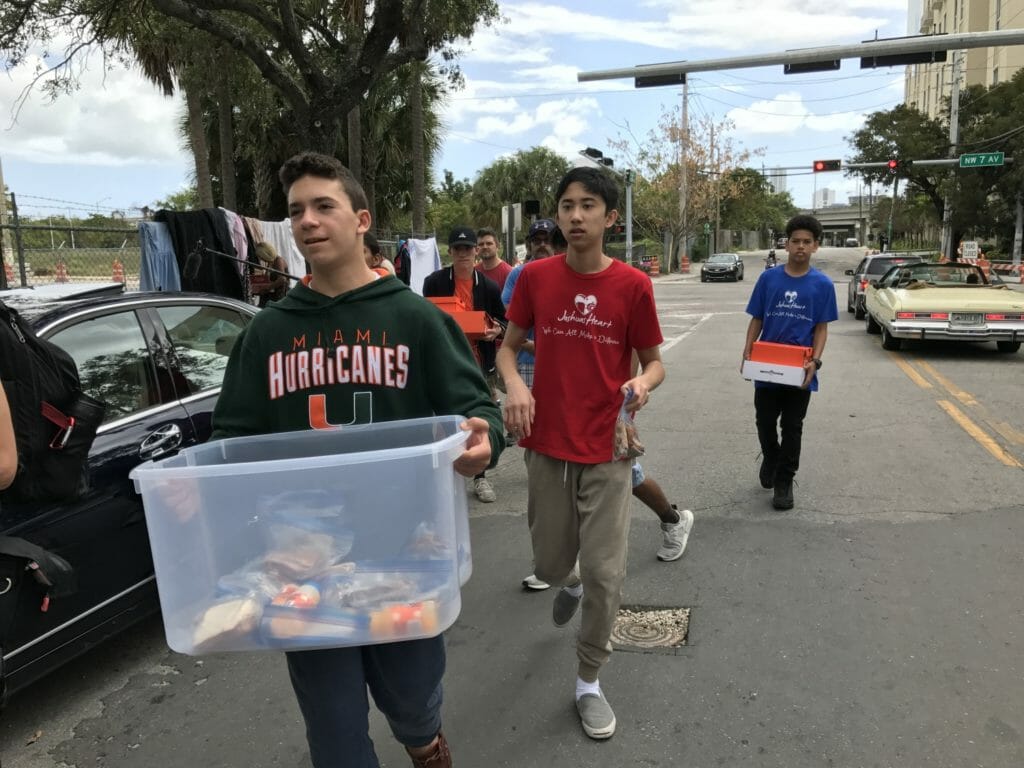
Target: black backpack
point(55, 422)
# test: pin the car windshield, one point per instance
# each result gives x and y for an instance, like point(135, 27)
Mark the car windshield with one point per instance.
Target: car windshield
point(721, 258)
point(879, 266)
point(949, 275)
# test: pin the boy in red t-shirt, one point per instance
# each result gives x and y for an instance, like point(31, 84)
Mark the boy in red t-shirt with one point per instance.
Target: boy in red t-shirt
point(589, 313)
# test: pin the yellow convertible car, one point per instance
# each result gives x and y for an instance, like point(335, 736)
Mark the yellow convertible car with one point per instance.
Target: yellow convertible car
point(950, 301)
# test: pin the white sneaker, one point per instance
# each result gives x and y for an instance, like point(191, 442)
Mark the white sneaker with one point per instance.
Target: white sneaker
point(532, 582)
point(674, 536)
point(483, 490)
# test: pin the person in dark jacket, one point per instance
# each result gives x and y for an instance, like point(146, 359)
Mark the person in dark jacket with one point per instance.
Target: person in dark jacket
point(344, 312)
point(477, 292)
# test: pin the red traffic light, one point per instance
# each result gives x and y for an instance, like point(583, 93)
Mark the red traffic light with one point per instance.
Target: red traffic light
point(826, 165)
point(893, 165)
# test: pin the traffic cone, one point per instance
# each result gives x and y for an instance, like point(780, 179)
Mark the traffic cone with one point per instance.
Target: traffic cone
point(118, 276)
point(684, 264)
point(62, 272)
point(9, 272)
point(655, 269)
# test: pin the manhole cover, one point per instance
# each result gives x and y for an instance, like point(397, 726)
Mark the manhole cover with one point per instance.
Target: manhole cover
point(640, 627)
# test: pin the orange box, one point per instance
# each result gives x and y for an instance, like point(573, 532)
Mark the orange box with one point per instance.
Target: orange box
point(473, 323)
point(783, 354)
point(449, 304)
point(777, 363)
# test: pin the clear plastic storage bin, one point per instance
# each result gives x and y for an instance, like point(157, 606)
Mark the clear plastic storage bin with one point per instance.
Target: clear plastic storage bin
point(312, 539)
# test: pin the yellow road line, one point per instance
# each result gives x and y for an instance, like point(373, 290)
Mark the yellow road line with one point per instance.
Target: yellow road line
point(980, 435)
point(964, 397)
point(908, 369)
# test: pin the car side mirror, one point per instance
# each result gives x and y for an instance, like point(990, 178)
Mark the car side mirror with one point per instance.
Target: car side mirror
point(849, 272)
point(874, 283)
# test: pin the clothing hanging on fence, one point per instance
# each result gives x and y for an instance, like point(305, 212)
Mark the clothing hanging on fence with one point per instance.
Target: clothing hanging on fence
point(215, 274)
point(279, 235)
point(424, 258)
point(238, 237)
point(158, 267)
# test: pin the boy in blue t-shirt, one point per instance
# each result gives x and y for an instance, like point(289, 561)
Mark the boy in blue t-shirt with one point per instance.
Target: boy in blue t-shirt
point(792, 305)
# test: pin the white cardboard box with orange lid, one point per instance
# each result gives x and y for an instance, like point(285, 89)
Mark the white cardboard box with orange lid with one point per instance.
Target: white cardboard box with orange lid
point(777, 363)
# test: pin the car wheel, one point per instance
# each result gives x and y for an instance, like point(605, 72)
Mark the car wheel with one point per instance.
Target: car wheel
point(703, 279)
point(870, 325)
point(1009, 347)
point(889, 341)
point(858, 311)
point(849, 305)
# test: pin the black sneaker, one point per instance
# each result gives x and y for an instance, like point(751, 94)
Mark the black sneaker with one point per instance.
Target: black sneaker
point(783, 497)
point(767, 473)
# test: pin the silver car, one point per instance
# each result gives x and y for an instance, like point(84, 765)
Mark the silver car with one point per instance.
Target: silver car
point(871, 267)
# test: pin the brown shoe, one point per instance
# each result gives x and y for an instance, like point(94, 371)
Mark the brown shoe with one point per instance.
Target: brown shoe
point(440, 757)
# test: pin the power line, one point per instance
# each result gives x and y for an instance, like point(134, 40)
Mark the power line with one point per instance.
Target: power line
point(801, 100)
point(819, 114)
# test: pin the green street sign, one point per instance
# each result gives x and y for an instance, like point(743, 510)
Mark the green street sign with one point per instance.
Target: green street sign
point(981, 159)
point(707, 228)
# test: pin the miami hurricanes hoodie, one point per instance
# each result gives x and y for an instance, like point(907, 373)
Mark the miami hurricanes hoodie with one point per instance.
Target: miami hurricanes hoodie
point(378, 353)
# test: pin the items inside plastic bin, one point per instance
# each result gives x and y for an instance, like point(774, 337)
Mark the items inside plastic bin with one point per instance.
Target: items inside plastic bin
point(307, 588)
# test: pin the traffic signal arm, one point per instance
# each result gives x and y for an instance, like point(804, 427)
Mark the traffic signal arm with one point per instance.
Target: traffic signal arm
point(826, 165)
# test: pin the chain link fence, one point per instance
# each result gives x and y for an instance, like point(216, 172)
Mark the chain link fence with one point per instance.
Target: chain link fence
point(38, 254)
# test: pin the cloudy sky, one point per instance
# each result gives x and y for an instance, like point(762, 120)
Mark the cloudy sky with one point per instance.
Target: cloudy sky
point(114, 143)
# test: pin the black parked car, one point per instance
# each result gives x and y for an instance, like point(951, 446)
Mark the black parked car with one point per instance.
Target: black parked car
point(156, 360)
point(722, 266)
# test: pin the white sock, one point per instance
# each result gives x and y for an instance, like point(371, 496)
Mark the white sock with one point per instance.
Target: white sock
point(583, 688)
point(576, 591)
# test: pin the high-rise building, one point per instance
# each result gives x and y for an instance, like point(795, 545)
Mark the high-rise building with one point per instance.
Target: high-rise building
point(823, 198)
point(777, 178)
point(928, 86)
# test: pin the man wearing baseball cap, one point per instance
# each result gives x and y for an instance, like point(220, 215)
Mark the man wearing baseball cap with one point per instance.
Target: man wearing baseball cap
point(477, 292)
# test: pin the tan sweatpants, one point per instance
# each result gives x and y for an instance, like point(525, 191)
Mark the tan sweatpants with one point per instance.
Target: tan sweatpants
point(581, 511)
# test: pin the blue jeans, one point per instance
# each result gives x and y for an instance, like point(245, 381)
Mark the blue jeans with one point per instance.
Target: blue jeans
point(331, 685)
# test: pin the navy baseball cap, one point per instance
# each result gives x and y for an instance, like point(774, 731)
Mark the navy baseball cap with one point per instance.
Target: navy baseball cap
point(462, 236)
point(547, 226)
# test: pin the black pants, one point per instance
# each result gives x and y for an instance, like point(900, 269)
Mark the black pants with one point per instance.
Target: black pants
point(785, 407)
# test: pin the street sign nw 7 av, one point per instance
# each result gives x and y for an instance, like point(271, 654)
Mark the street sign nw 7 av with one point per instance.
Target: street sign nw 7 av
point(981, 159)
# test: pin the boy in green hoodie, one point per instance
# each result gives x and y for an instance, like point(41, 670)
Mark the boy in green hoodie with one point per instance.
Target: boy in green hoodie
point(347, 331)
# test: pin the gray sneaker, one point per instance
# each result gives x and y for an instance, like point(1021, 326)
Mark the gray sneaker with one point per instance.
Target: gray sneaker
point(596, 715)
point(564, 607)
point(483, 490)
point(674, 536)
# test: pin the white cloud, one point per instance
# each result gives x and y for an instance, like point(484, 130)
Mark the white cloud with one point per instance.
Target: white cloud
point(787, 114)
point(494, 45)
point(114, 118)
point(728, 25)
point(562, 121)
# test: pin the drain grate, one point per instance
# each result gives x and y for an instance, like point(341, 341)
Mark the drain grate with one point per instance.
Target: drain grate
point(644, 628)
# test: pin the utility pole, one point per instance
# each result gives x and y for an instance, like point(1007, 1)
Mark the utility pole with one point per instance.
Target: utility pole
point(629, 216)
point(954, 139)
point(714, 247)
point(684, 141)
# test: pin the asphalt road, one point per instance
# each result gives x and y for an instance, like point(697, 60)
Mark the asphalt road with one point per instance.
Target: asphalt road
point(879, 623)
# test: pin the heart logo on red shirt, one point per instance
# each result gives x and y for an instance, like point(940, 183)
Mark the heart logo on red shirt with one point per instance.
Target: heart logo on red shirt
point(585, 304)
